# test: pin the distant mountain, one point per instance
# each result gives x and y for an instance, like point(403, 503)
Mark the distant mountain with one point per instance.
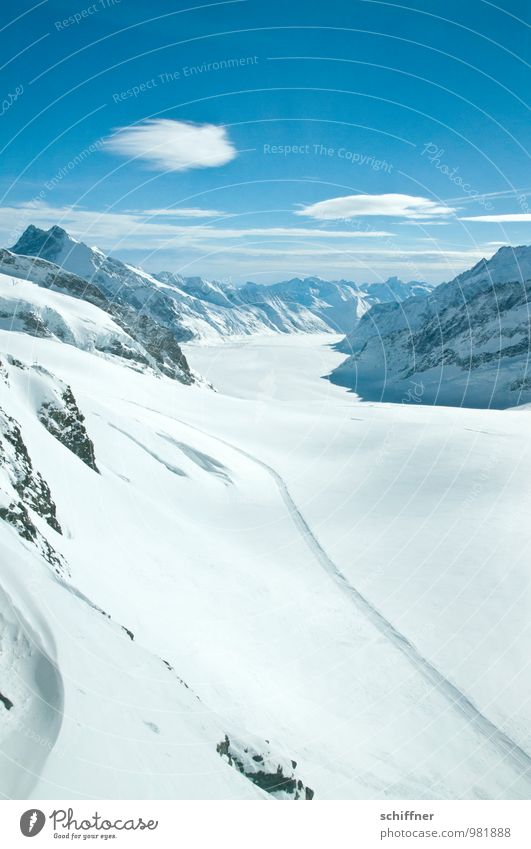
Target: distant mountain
point(394, 289)
point(341, 303)
point(467, 343)
point(194, 308)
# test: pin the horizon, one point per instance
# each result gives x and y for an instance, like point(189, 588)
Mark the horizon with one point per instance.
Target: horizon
point(239, 284)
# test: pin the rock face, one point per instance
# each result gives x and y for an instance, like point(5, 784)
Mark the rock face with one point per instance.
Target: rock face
point(64, 420)
point(275, 775)
point(467, 343)
point(24, 494)
point(194, 308)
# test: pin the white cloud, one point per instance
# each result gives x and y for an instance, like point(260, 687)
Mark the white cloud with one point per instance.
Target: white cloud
point(174, 145)
point(510, 217)
point(181, 212)
point(353, 206)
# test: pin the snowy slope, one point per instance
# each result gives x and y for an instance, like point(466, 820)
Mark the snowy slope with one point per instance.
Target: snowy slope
point(467, 343)
point(194, 308)
point(148, 342)
point(201, 639)
point(27, 308)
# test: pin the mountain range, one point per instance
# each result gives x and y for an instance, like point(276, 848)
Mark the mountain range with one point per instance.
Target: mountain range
point(192, 308)
point(465, 342)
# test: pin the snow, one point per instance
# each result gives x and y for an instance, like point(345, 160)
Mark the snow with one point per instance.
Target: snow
point(324, 574)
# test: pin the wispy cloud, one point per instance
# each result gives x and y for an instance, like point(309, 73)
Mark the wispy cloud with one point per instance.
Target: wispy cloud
point(159, 241)
point(398, 256)
point(181, 212)
point(484, 195)
point(108, 229)
point(354, 206)
point(168, 145)
point(508, 218)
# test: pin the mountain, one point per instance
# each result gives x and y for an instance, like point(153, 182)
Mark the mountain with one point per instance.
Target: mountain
point(336, 303)
point(77, 312)
point(467, 343)
point(165, 300)
point(395, 289)
point(194, 308)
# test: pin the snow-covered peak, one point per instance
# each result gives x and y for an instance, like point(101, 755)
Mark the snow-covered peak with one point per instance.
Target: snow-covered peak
point(395, 289)
point(198, 287)
point(509, 264)
point(57, 246)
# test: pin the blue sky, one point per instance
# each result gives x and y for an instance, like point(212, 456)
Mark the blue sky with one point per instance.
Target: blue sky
point(255, 140)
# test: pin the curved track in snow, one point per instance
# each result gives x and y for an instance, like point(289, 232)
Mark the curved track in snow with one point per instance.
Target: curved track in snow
point(456, 698)
point(496, 736)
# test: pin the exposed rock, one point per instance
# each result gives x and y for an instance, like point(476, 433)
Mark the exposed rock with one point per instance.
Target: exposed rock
point(31, 487)
point(24, 491)
point(274, 775)
point(7, 703)
point(66, 423)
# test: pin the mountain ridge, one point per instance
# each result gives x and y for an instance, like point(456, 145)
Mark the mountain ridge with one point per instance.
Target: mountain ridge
point(466, 343)
point(193, 308)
